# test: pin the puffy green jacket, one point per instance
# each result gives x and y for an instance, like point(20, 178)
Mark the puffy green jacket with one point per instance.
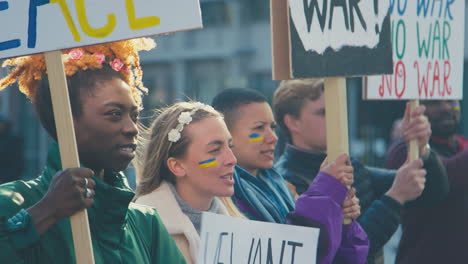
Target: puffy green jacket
point(122, 232)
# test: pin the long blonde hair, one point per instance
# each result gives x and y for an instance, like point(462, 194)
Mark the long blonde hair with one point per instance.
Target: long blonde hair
point(155, 149)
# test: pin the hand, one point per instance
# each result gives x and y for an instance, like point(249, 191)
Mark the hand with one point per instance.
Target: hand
point(416, 126)
point(67, 192)
point(351, 207)
point(409, 182)
point(340, 169)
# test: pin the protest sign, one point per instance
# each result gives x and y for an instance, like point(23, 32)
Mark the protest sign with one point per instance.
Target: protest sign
point(331, 38)
point(231, 240)
point(36, 26)
point(427, 41)
point(323, 38)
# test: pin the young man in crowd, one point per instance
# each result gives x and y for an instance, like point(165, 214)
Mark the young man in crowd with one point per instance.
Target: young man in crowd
point(438, 233)
point(299, 107)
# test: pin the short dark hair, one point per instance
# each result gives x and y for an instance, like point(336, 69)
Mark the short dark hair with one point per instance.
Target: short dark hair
point(230, 100)
point(291, 96)
point(81, 83)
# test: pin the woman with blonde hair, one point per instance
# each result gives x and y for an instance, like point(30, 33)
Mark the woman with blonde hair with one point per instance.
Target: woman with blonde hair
point(186, 164)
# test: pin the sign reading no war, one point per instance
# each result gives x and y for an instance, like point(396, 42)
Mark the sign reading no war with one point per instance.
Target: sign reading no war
point(34, 26)
point(427, 42)
point(232, 240)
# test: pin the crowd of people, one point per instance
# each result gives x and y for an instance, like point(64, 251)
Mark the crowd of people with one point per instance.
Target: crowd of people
point(219, 158)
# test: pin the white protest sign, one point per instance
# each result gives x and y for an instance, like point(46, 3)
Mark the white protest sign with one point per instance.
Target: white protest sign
point(34, 26)
point(231, 240)
point(337, 24)
point(427, 43)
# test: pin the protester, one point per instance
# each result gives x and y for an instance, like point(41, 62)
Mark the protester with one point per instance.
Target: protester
point(262, 194)
point(438, 232)
point(11, 152)
point(299, 107)
point(105, 92)
point(186, 164)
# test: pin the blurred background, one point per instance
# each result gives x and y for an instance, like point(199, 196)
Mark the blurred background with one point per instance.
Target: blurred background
point(233, 50)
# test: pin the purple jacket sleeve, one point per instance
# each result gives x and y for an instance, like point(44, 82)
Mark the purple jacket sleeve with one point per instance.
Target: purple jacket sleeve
point(320, 206)
point(354, 245)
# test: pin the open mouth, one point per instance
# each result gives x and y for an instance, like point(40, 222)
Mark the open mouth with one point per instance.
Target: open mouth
point(228, 178)
point(127, 150)
point(268, 153)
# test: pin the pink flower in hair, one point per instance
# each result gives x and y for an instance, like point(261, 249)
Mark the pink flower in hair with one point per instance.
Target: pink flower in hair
point(126, 69)
point(117, 65)
point(100, 57)
point(75, 54)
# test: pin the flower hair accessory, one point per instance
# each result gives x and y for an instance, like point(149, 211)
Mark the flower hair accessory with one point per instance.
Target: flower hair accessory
point(184, 119)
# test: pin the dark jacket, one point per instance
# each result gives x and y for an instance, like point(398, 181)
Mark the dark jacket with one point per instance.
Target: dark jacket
point(437, 232)
point(380, 214)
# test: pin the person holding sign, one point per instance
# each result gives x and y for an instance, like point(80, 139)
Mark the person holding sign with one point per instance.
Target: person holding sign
point(186, 164)
point(261, 193)
point(105, 91)
point(437, 232)
point(299, 106)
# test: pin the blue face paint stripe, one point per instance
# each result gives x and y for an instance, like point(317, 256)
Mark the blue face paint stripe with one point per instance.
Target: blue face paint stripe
point(206, 161)
point(254, 135)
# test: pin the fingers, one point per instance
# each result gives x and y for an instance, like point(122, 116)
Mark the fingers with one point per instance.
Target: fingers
point(418, 111)
point(406, 116)
point(343, 159)
point(347, 179)
point(324, 163)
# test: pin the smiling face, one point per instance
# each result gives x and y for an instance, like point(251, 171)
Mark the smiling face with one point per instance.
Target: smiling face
point(206, 169)
point(254, 136)
point(444, 116)
point(107, 127)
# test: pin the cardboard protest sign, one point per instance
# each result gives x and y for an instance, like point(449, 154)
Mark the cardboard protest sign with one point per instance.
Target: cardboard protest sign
point(427, 37)
point(227, 239)
point(323, 38)
point(36, 26)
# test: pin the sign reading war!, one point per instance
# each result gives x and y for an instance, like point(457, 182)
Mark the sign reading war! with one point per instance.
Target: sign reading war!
point(427, 37)
point(339, 38)
point(34, 26)
point(232, 240)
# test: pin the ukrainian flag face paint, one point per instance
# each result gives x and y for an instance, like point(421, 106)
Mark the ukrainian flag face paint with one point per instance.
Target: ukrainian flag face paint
point(255, 137)
point(208, 163)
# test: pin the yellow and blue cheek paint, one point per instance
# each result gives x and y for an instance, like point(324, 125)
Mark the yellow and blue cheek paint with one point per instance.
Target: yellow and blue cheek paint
point(255, 137)
point(208, 163)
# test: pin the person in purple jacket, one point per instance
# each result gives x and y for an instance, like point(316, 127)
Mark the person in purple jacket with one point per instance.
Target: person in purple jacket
point(262, 194)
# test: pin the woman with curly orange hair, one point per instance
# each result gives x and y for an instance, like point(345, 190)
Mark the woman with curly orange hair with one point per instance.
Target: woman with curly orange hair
point(105, 92)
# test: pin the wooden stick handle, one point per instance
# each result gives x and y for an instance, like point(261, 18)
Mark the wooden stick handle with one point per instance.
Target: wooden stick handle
point(68, 150)
point(336, 109)
point(413, 152)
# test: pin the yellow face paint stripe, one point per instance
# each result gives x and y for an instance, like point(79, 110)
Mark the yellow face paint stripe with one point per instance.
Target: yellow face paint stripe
point(208, 163)
point(255, 137)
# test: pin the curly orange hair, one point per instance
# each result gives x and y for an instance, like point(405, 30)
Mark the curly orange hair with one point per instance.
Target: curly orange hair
point(28, 70)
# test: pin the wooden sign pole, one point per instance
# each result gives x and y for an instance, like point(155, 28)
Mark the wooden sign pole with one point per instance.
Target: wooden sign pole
point(68, 150)
point(336, 109)
point(413, 152)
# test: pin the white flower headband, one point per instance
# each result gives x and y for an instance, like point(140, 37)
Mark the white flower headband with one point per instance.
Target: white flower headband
point(184, 119)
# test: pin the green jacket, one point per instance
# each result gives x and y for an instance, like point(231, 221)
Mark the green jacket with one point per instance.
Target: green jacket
point(122, 232)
